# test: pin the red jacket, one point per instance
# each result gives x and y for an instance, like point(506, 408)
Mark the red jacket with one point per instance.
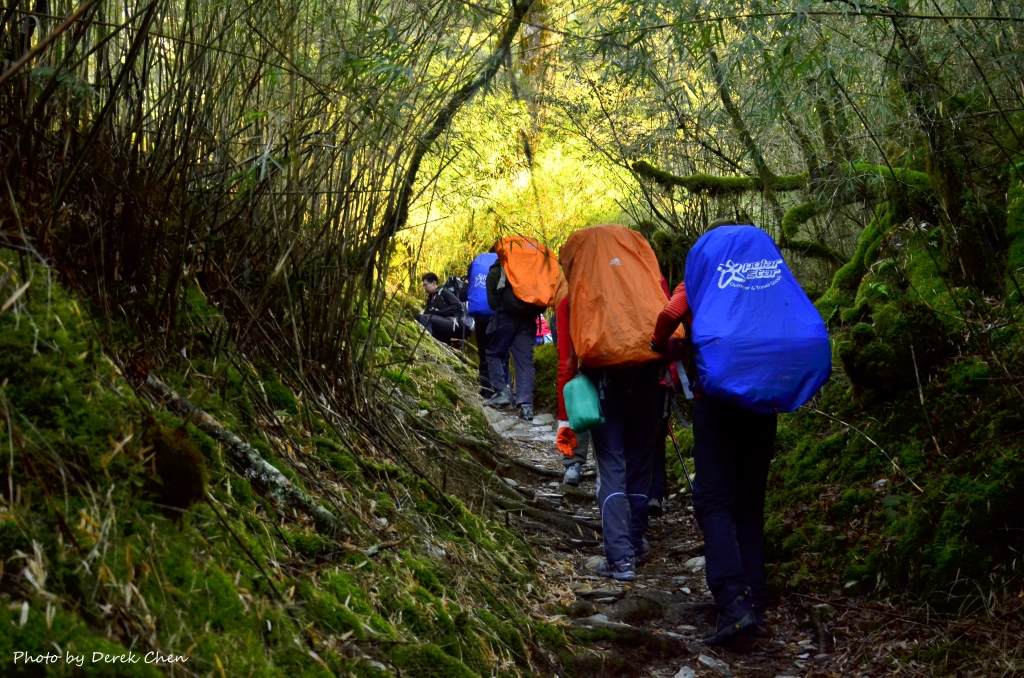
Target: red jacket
point(677, 309)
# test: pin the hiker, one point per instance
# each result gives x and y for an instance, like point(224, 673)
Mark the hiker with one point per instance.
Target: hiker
point(613, 301)
point(757, 346)
point(442, 312)
point(543, 331)
point(481, 312)
point(520, 285)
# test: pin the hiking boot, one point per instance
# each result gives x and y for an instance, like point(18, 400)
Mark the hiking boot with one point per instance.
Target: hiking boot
point(572, 474)
point(654, 508)
point(619, 571)
point(758, 630)
point(526, 412)
point(733, 619)
point(502, 398)
point(644, 552)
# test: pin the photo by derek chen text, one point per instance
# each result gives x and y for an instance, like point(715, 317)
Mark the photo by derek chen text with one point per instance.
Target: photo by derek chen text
point(73, 659)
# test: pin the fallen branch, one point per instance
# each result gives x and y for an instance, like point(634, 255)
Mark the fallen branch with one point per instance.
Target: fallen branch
point(254, 467)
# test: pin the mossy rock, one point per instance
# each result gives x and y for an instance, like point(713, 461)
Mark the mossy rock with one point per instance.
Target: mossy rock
point(905, 340)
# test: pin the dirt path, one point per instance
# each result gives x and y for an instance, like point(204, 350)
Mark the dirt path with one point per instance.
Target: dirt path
point(654, 626)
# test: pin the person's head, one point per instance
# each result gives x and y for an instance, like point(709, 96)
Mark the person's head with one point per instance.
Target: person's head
point(430, 282)
point(723, 221)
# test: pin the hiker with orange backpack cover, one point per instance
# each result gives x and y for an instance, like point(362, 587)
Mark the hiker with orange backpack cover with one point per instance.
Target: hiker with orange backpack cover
point(614, 297)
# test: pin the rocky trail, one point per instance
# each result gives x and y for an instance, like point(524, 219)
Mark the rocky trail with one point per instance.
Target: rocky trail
point(653, 626)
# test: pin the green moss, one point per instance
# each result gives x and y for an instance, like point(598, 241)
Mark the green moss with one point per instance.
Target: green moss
point(795, 216)
point(330, 615)
point(428, 661)
point(447, 396)
point(718, 186)
point(280, 398)
point(545, 362)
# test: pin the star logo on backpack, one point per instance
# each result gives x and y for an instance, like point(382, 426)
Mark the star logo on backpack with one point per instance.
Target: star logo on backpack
point(615, 262)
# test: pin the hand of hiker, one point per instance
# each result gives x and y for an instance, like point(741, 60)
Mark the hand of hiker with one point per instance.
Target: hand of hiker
point(566, 440)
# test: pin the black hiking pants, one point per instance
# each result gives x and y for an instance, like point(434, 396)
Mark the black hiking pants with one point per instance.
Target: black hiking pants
point(732, 449)
point(507, 333)
point(440, 328)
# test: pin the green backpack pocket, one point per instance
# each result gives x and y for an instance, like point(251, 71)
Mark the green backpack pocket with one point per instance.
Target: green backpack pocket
point(582, 404)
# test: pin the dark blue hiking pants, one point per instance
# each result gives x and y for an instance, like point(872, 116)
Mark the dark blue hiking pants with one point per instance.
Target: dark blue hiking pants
point(623, 446)
point(510, 333)
point(732, 449)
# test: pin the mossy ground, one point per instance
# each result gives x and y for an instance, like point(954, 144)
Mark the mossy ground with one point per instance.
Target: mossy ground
point(123, 526)
point(913, 481)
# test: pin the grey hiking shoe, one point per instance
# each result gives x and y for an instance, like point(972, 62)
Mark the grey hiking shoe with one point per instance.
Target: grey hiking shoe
point(499, 400)
point(619, 571)
point(526, 412)
point(572, 474)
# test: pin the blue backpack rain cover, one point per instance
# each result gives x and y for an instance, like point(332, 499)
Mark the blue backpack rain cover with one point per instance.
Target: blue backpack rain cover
point(759, 341)
point(477, 296)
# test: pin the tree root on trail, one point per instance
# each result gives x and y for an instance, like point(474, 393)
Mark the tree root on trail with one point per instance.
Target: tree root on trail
point(550, 517)
point(254, 467)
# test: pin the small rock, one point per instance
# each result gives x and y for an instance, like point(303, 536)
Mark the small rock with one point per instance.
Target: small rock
point(422, 413)
point(680, 580)
point(377, 665)
point(687, 627)
point(695, 565)
point(686, 590)
point(805, 655)
point(821, 658)
point(510, 482)
point(880, 484)
point(685, 672)
point(605, 601)
point(541, 419)
point(716, 664)
point(553, 484)
point(677, 636)
point(492, 415)
point(807, 644)
point(502, 425)
point(593, 562)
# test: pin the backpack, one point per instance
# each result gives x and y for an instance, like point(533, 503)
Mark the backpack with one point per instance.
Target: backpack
point(759, 342)
point(615, 295)
point(477, 289)
point(503, 298)
point(531, 269)
point(457, 286)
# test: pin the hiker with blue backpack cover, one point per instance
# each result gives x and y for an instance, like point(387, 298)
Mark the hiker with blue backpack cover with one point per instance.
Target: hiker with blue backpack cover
point(481, 312)
point(756, 346)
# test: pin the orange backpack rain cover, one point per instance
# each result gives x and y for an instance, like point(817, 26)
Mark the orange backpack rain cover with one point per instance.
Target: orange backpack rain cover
point(615, 295)
point(531, 269)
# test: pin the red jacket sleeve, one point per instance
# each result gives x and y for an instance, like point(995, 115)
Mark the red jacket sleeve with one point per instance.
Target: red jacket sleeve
point(670, 317)
point(566, 354)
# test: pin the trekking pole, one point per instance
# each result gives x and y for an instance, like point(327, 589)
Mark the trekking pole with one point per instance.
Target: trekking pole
point(672, 435)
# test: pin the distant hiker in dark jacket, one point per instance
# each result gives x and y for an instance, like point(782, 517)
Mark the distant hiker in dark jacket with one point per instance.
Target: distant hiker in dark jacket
point(442, 312)
point(512, 329)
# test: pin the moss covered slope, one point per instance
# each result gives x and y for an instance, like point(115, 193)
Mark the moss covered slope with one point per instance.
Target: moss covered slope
point(125, 528)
